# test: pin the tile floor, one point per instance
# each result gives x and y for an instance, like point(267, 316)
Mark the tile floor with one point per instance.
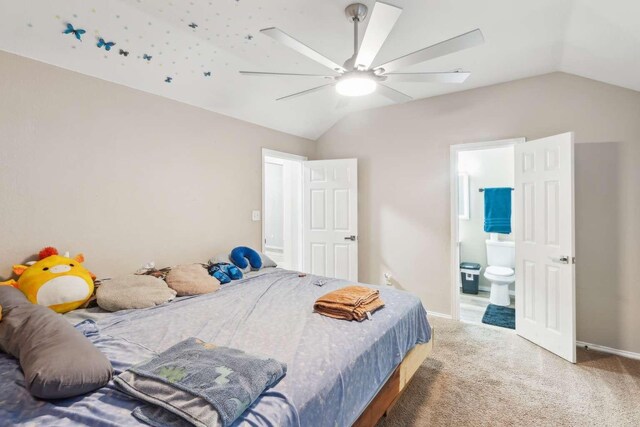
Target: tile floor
point(472, 307)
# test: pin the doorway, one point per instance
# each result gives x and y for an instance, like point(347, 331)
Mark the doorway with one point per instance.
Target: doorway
point(484, 286)
point(282, 208)
point(310, 214)
point(539, 211)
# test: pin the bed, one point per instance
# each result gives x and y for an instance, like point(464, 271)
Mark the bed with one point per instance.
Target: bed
point(339, 373)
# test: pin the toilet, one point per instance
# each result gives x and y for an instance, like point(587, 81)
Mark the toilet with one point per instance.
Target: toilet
point(500, 270)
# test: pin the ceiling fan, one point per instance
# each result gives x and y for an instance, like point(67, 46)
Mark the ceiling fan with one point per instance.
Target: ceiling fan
point(356, 77)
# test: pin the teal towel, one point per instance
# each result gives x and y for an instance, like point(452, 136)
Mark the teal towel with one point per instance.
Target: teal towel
point(497, 210)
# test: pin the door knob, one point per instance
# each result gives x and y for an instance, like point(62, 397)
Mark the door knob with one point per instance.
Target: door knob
point(561, 260)
point(352, 238)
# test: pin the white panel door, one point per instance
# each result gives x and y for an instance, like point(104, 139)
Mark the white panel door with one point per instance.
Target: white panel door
point(330, 218)
point(544, 213)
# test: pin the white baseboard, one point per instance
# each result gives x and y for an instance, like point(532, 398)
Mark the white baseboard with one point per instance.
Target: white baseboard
point(602, 348)
point(436, 314)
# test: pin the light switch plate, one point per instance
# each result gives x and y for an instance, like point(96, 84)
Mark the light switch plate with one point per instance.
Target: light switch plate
point(255, 215)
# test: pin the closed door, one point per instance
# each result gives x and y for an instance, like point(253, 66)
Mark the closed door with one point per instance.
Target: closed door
point(544, 213)
point(330, 218)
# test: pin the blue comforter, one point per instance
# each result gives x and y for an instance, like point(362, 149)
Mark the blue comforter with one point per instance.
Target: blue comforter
point(335, 367)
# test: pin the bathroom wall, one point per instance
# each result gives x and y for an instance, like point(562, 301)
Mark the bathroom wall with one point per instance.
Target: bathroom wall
point(486, 168)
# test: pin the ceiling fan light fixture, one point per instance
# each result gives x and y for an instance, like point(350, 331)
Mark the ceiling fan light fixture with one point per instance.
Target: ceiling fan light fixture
point(357, 85)
point(357, 76)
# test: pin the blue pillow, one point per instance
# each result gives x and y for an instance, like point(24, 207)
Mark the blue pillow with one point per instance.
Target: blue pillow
point(241, 254)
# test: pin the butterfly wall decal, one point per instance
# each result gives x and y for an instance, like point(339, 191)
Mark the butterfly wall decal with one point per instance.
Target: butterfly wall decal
point(168, 79)
point(193, 25)
point(124, 52)
point(107, 45)
point(207, 73)
point(78, 32)
point(147, 57)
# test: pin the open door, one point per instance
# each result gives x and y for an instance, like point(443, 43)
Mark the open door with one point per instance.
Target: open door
point(330, 218)
point(545, 282)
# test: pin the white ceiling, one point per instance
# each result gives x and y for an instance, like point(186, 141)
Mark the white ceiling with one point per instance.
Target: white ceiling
point(593, 38)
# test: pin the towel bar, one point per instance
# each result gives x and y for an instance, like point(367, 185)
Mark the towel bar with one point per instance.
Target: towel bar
point(482, 189)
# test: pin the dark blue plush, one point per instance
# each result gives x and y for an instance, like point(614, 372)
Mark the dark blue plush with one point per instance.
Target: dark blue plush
point(220, 275)
point(232, 271)
point(240, 255)
point(225, 272)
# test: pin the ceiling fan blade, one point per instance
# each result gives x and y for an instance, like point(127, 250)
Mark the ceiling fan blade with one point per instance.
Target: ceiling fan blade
point(381, 22)
point(464, 41)
point(266, 74)
point(299, 47)
point(304, 92)
point(452, 77)
point(392, 94)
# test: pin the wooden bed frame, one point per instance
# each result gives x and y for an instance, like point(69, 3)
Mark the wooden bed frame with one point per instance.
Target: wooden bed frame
point(395, 385)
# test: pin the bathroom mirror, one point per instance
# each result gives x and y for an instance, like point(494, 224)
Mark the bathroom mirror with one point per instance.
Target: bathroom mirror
point(463, 196)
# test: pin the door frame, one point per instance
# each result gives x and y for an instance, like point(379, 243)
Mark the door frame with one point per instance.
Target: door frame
point(267, 152)
point(454, 150)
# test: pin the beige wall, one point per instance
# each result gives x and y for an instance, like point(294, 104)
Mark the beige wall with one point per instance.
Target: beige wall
point(403, 153)
point(121, 175)
point(127, 177)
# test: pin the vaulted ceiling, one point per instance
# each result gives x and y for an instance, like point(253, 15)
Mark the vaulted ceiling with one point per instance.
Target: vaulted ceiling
point(168, 47)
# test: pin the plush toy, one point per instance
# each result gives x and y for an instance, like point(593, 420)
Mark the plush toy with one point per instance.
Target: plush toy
point(58, 282)
point(243, 256)
point(224, 272)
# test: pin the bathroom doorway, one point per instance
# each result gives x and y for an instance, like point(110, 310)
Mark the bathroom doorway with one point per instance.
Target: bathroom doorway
point(482, 233)
point(528, 229)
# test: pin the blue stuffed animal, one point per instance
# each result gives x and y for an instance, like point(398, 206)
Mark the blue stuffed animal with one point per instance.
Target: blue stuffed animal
point(225, 273)
point(243, 256)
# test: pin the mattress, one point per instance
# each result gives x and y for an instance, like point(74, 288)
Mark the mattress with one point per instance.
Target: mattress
point(335, 367)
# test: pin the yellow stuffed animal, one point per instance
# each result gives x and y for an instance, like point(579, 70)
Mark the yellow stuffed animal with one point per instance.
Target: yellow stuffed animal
point(58, 282)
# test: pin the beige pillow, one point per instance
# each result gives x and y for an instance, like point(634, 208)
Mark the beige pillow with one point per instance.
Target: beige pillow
point(133, 291)
point(191, 279)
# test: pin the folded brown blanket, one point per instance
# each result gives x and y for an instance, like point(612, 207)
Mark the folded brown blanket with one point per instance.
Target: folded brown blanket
point(350, 303)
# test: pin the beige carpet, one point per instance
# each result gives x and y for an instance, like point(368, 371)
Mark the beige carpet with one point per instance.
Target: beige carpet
point(482, 376)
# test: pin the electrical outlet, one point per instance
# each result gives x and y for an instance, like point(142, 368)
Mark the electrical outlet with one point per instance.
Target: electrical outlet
point(387, 279)
point(255, 215)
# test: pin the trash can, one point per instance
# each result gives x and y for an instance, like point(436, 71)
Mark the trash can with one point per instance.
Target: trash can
point(470, 274)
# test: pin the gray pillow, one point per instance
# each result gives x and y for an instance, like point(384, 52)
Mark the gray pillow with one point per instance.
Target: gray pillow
point(219, 259)
point(224, 258)
point(266, 261)
point(133, 291)
point(58, 361)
